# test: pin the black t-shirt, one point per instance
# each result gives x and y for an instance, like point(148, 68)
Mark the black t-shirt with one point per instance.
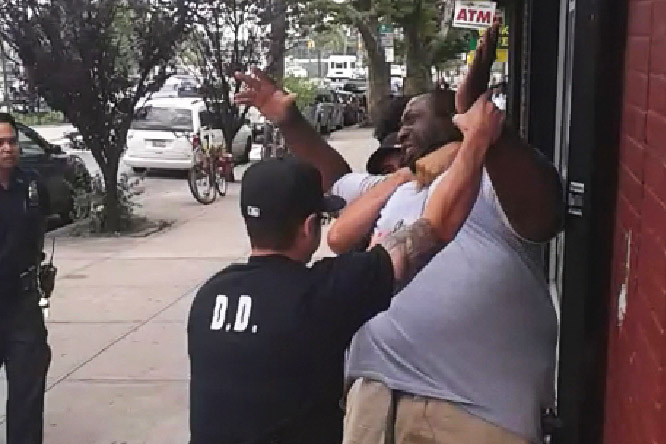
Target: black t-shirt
point(266, 342)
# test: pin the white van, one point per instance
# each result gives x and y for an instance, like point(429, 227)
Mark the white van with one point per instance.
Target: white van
point(162, 133)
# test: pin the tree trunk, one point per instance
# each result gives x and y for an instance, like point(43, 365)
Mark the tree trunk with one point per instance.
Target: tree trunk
point(419, 75)
point(112, 206)
point(379, 74)
point(277, 41)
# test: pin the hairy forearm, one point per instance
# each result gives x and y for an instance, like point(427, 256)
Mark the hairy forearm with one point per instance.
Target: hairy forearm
point(306, 143)
point(528, 187)
point(359, 218)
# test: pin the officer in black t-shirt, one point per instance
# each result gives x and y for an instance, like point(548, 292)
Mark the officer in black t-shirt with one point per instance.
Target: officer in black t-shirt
point(23, 349)
point(266, 339)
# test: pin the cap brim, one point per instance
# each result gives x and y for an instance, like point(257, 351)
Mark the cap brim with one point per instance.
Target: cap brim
point(375, 158)
point(333, 204)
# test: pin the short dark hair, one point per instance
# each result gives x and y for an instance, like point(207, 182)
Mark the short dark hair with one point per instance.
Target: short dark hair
point(443, 102)
point(277, 236)
point(8, 118)
point(391, 119)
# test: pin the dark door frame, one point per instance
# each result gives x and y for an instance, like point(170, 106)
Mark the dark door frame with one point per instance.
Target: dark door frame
point(596, 92)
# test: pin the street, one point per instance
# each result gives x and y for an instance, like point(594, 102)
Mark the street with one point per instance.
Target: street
point(117, 326)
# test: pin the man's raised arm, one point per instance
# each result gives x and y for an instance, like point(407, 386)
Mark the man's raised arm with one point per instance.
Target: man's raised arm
point(303, 140)
point(528, 186)
point(449, 206)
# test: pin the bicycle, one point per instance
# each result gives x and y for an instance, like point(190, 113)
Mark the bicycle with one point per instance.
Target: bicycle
point(274, 145)
point(209, 175)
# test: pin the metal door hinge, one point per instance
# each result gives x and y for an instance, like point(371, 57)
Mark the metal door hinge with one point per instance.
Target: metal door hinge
point(576, 198)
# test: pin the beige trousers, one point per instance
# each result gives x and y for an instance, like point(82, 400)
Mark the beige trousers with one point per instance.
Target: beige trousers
point(418, 420)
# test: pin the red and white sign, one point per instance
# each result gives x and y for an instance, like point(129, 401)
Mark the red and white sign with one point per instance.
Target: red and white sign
point(474, 14)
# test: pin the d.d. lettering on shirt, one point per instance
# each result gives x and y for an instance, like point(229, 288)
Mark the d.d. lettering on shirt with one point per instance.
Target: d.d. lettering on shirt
point(241, 318)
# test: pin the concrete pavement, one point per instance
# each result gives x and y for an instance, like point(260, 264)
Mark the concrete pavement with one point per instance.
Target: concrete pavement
point(117, 328)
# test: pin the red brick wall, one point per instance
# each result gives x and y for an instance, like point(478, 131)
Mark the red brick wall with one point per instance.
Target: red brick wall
point(636, 386)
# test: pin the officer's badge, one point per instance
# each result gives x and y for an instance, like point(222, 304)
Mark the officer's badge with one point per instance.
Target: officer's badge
point(33, 194)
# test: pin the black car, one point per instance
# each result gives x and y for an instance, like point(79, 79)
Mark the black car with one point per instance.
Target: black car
point(62, 173)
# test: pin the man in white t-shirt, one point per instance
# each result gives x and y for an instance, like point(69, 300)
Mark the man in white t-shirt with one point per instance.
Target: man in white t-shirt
point(466, 351)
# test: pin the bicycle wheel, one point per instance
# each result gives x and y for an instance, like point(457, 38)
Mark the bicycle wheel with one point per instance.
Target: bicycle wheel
point(202, 183)
point(221, 182)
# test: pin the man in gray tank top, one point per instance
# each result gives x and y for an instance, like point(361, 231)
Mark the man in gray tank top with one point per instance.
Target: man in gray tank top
point(466, 352)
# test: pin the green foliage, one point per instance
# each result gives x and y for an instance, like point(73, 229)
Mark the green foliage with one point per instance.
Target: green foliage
point(331, 38)
point(228, 38)
point(449, 47)
point(92, 204)
point(94, 61)
point(305, 91)
point(40, 118)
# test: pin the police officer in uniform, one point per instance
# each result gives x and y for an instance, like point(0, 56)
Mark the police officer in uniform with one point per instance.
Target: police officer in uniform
point(24, 352)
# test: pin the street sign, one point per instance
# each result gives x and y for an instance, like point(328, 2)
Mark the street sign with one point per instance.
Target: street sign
point(473, 14)
point(389, 53)
point(502, 56)
point(385, 28)
point(503, 40)
point(386, 35)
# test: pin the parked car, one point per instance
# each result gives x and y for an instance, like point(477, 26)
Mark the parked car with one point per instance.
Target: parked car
point(62, 173)
point(257, 123)
point(350, 107)
point(321, 113)
point(162, 135)
point(338, 117)
point(178, 86)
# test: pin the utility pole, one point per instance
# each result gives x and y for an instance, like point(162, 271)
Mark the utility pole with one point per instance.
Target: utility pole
point(278, 34)
point(5, 81)
point(319, 63)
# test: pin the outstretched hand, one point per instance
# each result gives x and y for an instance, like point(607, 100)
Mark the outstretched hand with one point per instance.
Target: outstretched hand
point(476, 80)
point(483, 122)
point(262, 93)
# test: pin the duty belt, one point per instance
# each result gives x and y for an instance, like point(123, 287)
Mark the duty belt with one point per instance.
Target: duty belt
point(28, 280)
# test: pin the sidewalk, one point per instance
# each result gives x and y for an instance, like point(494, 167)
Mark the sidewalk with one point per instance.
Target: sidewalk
point(117, 328)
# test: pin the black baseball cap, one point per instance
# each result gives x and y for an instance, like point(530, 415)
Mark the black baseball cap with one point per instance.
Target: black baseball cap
point(388, 146)
point(275, 190)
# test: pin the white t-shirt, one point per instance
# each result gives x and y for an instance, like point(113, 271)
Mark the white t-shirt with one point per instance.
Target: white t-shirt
point(476, 326)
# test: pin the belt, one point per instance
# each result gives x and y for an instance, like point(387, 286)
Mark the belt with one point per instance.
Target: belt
point(28, 280)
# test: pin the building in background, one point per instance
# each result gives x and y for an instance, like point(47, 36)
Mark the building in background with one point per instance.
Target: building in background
point(9, 77)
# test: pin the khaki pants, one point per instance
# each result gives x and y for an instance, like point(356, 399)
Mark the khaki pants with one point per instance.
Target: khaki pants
point(370, 419)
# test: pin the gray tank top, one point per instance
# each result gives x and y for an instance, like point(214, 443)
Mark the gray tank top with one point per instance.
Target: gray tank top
point(476, 326)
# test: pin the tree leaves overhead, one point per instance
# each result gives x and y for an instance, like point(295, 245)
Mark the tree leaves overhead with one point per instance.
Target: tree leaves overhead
point(228, 36)
point(94, 60)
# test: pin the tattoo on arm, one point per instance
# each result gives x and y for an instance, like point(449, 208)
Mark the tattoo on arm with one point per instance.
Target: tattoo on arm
point(411, 248)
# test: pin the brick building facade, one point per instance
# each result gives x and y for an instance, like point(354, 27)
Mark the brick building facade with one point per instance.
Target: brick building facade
point(635, 406)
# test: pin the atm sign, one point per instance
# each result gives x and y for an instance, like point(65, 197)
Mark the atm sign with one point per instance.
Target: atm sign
point(474, 14)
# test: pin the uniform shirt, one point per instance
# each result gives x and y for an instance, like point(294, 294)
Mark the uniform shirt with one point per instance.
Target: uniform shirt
point(266, 342)
point(475, 327)
point(23, 210)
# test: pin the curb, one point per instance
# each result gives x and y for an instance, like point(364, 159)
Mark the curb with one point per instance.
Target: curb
point(64, 231)
point(67, 230)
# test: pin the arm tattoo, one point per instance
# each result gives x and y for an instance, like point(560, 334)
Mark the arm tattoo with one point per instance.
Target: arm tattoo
point(411, 248)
